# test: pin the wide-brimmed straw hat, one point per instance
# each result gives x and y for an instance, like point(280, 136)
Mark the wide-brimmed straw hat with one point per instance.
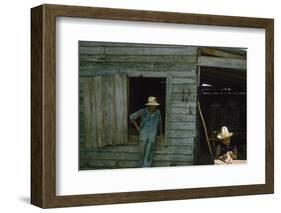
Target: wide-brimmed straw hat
point(152, 101)
point(224, 133)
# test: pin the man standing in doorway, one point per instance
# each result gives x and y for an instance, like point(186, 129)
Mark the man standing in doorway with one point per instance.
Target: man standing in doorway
point(150, 122)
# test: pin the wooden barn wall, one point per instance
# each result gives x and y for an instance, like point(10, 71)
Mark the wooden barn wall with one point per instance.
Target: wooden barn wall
point(178, 64)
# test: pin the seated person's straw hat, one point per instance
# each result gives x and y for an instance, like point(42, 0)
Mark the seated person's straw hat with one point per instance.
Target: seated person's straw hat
point(152, 101)
point(224, 133)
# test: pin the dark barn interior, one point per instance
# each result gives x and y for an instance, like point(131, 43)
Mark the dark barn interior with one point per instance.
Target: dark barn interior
point(222, 96)
point(140, 88)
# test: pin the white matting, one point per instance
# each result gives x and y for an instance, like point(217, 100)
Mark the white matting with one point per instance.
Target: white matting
point(72, 181)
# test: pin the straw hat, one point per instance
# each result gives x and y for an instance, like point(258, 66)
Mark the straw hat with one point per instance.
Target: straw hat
point(224, 133)
point(152, 101)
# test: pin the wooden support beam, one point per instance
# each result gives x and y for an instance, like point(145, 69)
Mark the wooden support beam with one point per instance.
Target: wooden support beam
point(140, 58)
point(95, 67)
point(220, 53)
point(138, 50)
point(231, 63)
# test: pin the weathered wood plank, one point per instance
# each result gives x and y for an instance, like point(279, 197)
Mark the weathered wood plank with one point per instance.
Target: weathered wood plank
point(160, 73)
point(240, 51)
point(159, 148)
point(179, 96)
point(121, 108)
point(168, 105)
point(86, 67)
point(182, 133)
point(109, 164)
point(127, 164)
point(220, 53)
point(184, 110)
point(182, 117)
point(187, 88)
point(139, 50)
point(133, 139)
point(184, 80)
point(169, 141)
point(181, 141)
point(151, 51)
point(173, 157)
point(185, 73)
point(188, 104)
point(135, 156)
point(126, 44)
point(188, 150)
point(102, 164)
point(91, 50)
point(139, 58)
point(95, 128)
point(108, 109)
point(209, 61)
point(90, 111)
point(97, 155)
point(182, 125)
point(99, 114)
point(147, 74)
point(139, 73)
point(114, 164)
point(114, 44)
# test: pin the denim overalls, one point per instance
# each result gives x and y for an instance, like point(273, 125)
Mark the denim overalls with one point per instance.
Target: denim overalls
point(149, 124)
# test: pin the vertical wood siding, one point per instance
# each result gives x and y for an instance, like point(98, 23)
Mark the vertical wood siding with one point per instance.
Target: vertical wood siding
point(103, 72)
point(104, 108)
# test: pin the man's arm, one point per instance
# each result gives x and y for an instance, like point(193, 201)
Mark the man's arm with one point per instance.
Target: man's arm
point(136, 125)
point(135, 116)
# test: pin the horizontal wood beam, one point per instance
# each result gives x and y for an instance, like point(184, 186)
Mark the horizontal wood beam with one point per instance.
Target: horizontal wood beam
point(140, 58)
point(126, 44)
point(186, 74)
point(182, 80)
point(182, 117)
point(92, 67)
point(159, 148)
point(182, 133)
point(231, 63)
point(134, 50)
point(220, 53)
point(169, 155)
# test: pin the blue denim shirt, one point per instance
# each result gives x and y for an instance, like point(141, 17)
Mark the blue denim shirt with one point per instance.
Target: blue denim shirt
point(149, 122)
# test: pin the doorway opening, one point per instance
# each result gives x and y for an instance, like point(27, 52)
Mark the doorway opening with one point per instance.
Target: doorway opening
point(223, 98)
point(140, 88)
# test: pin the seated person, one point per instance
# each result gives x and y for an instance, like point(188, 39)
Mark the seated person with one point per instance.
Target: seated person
point(225, 150)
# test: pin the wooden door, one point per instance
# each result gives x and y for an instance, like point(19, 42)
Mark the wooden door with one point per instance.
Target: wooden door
point(105, 110)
